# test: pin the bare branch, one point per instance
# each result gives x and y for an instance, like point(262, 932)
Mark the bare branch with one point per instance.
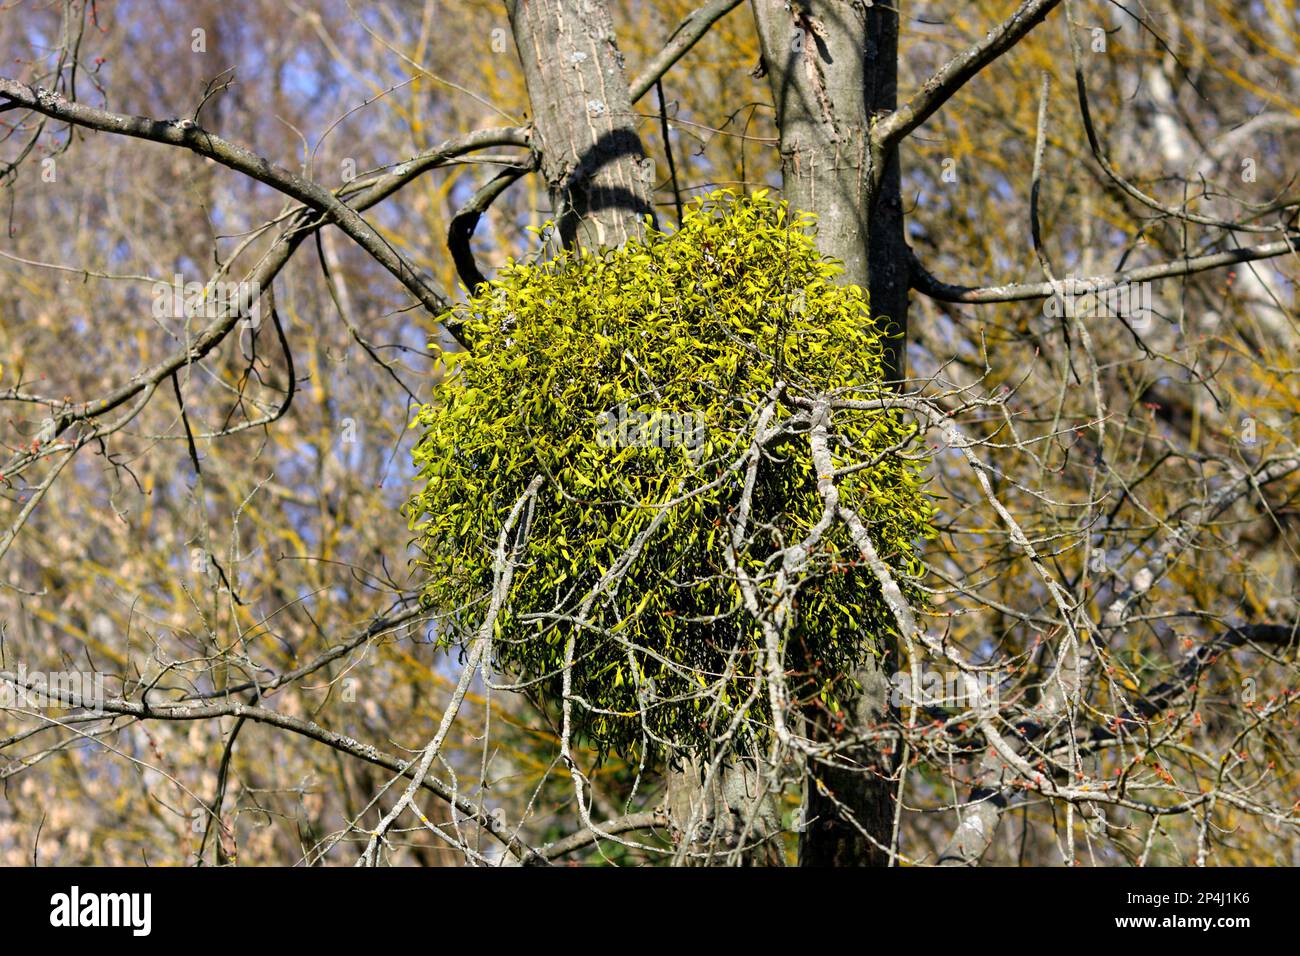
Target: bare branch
point(954, 74)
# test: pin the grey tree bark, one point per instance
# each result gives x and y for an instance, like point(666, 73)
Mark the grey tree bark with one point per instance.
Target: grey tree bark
point(591, 156)
point(600, 184)
point(833, 69)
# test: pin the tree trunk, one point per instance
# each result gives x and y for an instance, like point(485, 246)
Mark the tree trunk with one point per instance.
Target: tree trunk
point(601, 191)
point(591, 156)
point(833, 69)
point(731, 820)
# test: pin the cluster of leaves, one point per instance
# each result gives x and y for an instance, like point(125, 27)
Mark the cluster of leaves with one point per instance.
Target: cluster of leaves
point(701, 322)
